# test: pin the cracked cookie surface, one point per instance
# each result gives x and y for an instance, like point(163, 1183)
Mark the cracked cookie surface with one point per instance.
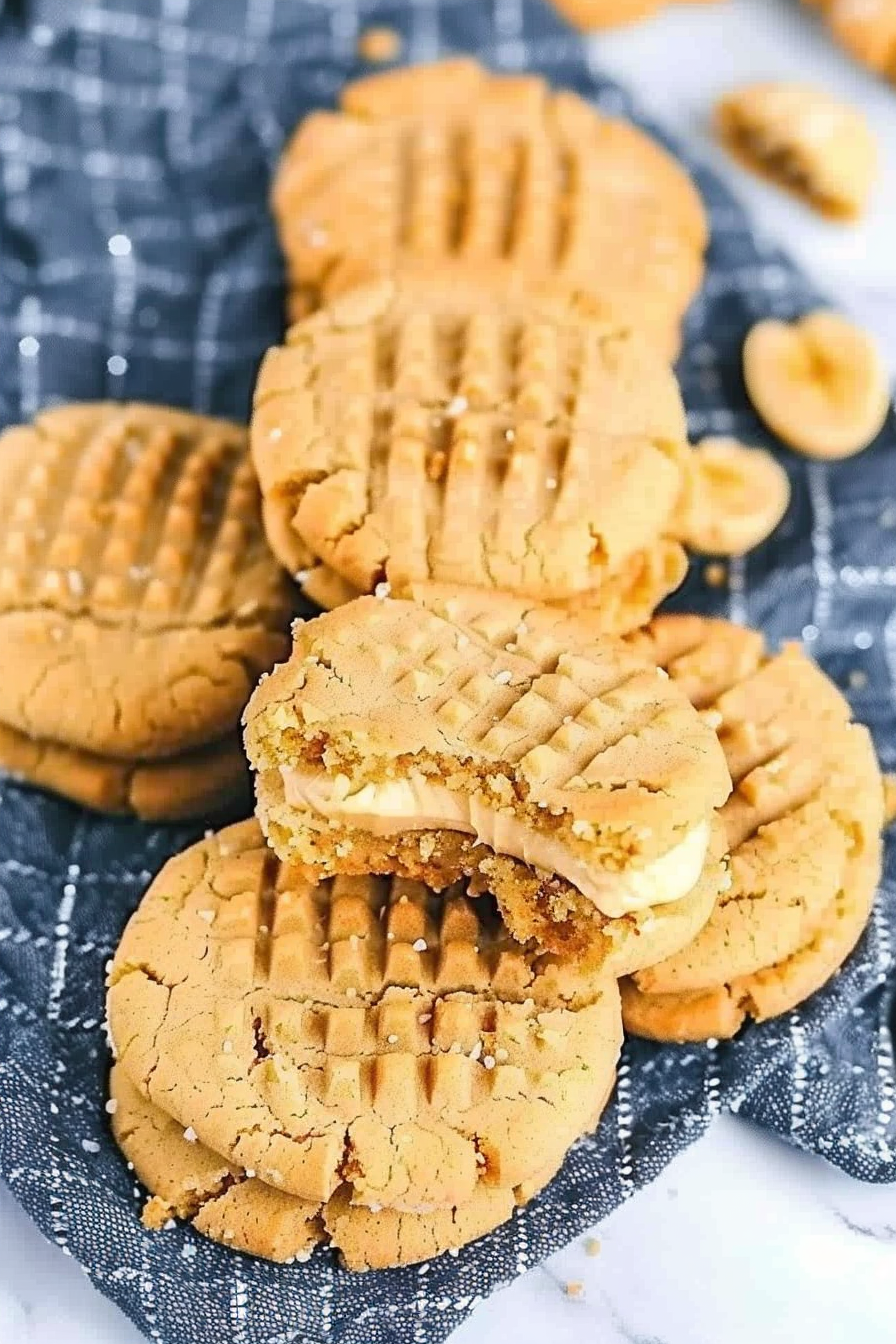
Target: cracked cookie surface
point(234, 1207)
point(803, 826)
point(448, 174)
point(585, 767)
point(522, 447)
point(360, 1032)
point(138, 598)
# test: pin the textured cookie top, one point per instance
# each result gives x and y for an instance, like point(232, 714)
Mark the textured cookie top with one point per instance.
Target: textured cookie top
point(803, 139)
point(807, 799)
point(135, 578)
point(528, 703)
point(520, 446)
point(447, 169)
point(362, 1030)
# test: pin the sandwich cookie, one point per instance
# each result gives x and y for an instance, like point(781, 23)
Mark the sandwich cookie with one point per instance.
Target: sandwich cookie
point(446, 174)
point(363, 1034)
point(803, 827)
point(466, 735)
point(231, 1206)
point(139, 603)
point(523, 447)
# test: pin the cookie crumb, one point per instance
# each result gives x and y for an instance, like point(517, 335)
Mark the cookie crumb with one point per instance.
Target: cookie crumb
point(592, 1246)
point(379, 45)
point(190, 1134)
point(419, 945)
point(716, 574)
point(574, 1288)
point(111, 1106)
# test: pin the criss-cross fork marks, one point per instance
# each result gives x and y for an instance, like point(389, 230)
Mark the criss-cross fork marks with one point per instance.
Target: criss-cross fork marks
point(130, 509)
point(385, 988)
point(382, 424)
point(784, 728)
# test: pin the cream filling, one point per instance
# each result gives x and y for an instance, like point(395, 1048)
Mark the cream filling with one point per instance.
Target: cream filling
point(418, 804)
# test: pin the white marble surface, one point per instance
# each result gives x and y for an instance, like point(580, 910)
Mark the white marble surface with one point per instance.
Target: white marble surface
point(742, 1239)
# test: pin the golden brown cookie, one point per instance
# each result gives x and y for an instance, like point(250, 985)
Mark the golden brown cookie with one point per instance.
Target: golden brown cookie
point(864, 28)
point(820, 383)
point(470, 735)
point(224, 1202)
point(523, 447)
point(138, 599)
point(199, 783)
point(736, 499)
point(364, 1032)
point(799, 137)
point(447, 174)
point(803, 827)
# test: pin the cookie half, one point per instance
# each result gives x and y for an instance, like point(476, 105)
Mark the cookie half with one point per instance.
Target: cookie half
point(360, 1032)
point(477, 737)
point(233, 1207)
point(803, 826)
point(523, 447)
point(447, 174)
point(139, 601)
point(799, 137)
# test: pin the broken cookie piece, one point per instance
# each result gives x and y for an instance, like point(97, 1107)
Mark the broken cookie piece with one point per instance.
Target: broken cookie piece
point(802, 139)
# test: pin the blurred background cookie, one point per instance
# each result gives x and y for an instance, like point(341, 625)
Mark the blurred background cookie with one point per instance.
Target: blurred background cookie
point(816, 147)
point(139, 602)
point(447, 173)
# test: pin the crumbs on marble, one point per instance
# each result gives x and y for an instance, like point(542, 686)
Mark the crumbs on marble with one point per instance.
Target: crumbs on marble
point(574, 1288)
point(592, 1246)
point(716, 574)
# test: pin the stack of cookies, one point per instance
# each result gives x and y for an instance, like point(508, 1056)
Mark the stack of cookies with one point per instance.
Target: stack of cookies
point(502, 809)
point(139, 603)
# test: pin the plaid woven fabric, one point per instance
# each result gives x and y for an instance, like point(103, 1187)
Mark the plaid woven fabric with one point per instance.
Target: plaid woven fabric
point(137, 260)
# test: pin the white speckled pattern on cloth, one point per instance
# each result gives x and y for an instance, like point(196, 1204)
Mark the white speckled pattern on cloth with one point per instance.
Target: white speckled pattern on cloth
point(93, 112)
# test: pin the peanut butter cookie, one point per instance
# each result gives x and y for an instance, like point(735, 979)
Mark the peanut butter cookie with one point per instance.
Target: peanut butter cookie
point(362, 1032)
point(521, 446)
point(138, 599)
point(803, 827)
point(447, 174)
point(468, 735)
